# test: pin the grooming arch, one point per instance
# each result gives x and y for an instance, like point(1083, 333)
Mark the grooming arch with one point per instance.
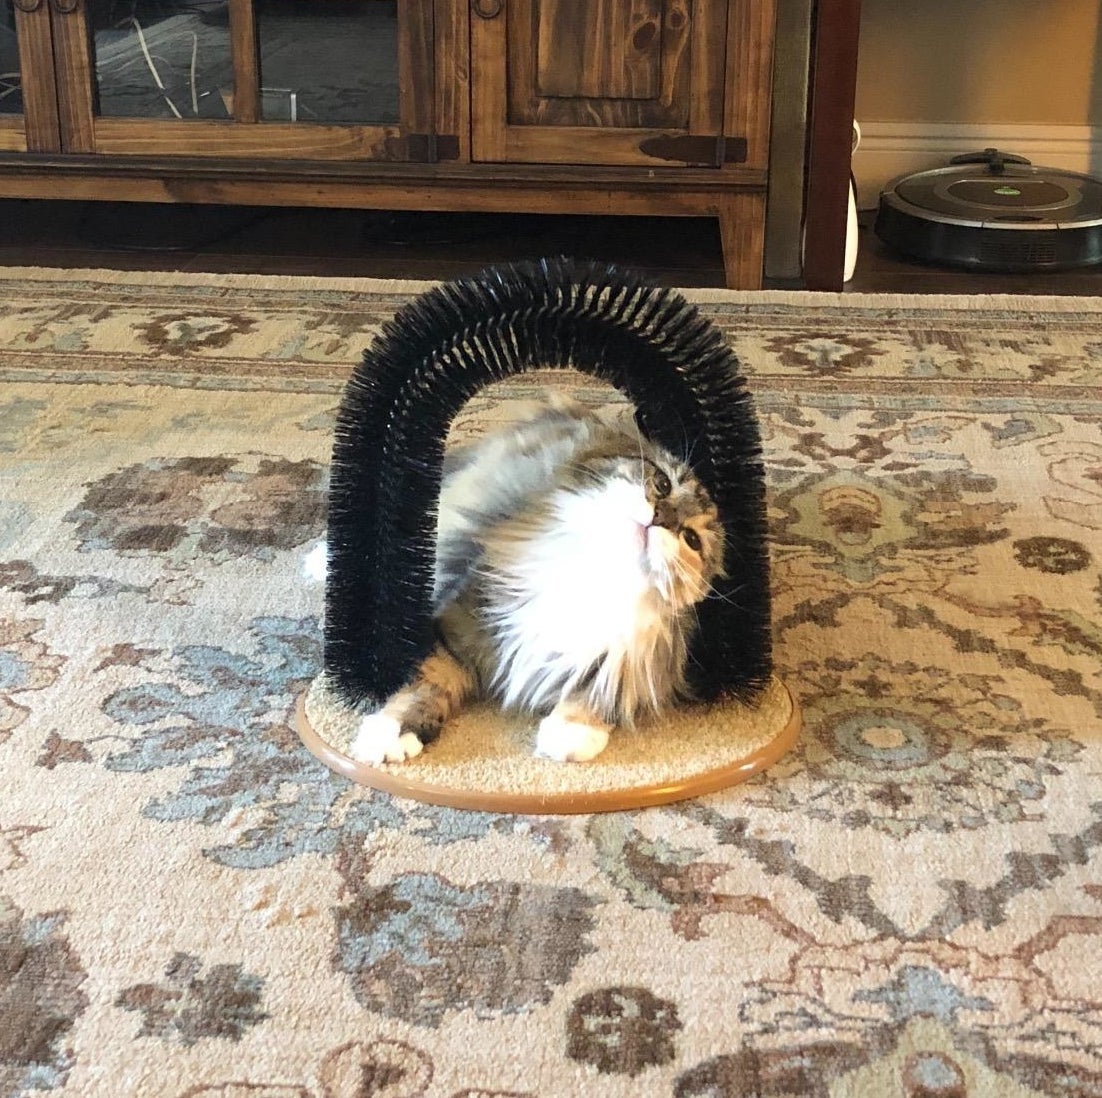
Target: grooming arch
point(439, 351)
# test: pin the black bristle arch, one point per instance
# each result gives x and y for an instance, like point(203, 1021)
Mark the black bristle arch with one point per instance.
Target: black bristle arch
point(441, 349)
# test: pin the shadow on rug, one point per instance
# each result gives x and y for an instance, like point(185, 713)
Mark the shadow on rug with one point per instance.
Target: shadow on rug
point(909, 904)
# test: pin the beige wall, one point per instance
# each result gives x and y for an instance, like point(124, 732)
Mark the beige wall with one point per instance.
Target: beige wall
point(1036, 62)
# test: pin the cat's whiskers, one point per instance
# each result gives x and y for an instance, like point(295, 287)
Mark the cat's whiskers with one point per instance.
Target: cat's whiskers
point(689, 446)
point(642, 464)
point(692, 444)
point(727, 597)
point(691, 581)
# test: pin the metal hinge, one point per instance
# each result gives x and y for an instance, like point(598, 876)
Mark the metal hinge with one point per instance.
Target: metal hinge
point(427, 148)
point(691, 148)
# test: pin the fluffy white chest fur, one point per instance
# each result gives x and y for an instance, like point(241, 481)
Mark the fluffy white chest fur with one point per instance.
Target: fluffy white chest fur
point(581, 591)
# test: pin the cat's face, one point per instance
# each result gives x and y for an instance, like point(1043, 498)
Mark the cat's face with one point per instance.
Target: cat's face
point(675, 527)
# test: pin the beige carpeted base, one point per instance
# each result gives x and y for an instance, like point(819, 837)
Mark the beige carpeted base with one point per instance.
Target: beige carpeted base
point(483, 760)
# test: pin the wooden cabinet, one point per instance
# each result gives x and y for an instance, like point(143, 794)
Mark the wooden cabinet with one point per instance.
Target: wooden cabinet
point(632, 82)
point(229, 77)
point(636, 84)
point(611, 106)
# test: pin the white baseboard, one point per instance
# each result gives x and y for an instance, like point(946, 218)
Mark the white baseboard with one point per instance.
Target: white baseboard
point(892, 149)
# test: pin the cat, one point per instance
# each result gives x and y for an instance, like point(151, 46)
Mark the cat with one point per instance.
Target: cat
point(571, 554)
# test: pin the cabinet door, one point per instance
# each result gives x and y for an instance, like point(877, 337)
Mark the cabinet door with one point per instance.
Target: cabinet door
point(28, 106)
point(303, 79)
point(605, 82)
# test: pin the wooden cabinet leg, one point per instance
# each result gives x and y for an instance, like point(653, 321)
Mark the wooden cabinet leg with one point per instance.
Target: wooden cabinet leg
point(830, 139)
point(742, 233)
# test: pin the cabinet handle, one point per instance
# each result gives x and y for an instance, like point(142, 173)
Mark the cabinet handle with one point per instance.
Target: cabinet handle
point(28, 5)
point(66, 7)
point(487, 9)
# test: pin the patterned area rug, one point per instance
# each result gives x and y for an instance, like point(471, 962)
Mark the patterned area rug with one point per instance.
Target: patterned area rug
point(909, 904)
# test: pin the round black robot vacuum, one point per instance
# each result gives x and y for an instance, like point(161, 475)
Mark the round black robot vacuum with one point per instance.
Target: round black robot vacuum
point(996, 212)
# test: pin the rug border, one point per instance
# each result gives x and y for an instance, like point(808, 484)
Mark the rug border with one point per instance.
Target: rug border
point(701, 295)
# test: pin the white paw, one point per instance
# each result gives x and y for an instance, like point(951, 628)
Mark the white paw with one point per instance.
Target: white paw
point(380, 739)
point(315, 564)
point(569, 741)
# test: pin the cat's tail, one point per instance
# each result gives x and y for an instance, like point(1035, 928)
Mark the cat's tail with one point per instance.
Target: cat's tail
point(315, 565)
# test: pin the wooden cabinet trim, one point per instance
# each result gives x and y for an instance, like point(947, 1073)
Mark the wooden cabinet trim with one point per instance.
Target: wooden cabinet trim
point(278, 140)
point(201, 168)
point(75, 78)
point(13, 134)
point(245, 52)
point(706, 96)
point(455, 194)
point(452, 66)
point(37, 128)
point(747, 100)
point(416, 69)
point(489, 42)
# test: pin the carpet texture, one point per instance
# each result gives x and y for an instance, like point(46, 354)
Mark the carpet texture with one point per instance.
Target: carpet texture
point(910, 903)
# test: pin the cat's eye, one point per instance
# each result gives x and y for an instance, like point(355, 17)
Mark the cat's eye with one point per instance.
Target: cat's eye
point(662, 485)
point(692, 539)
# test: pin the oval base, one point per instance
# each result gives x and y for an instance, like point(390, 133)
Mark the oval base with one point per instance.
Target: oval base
point(483, 759)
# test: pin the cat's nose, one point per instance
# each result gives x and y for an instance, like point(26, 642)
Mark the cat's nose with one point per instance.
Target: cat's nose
point(664, 514)
point(642, 513)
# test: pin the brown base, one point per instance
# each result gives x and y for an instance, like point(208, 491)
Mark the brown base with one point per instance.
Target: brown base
point(706, 749)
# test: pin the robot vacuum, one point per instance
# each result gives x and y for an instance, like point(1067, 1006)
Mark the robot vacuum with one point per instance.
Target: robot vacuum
point(995, 212)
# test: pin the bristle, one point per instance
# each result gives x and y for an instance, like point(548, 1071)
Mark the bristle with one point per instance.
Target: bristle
point(439, 351)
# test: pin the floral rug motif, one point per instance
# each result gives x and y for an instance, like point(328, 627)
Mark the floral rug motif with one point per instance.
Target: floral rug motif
point(910, 903)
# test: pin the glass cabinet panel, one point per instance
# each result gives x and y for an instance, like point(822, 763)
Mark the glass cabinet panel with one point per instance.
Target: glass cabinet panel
point(328, 60)
point(278, 79)
point(11, 88)
point(157, 59)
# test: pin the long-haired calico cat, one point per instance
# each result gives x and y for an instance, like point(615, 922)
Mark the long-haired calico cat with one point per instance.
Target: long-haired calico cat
point(571, 553)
